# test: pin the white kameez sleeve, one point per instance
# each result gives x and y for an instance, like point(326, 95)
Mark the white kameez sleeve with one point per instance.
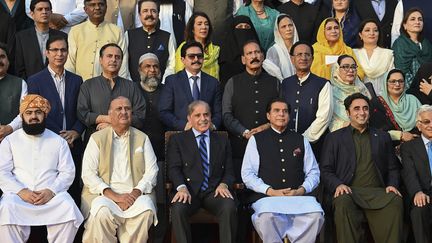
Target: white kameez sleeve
point(90, 166)
point(124, 68)
point(16, 123)
point(250, 167)
point(397, 21)
point(170, 65)
point(77, 15)
point(148, 181)
point(323, 114)
point(310, 168)
point(65, 168)
point(8, 181)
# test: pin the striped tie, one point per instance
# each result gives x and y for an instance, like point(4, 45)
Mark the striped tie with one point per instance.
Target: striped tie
point(204, 159)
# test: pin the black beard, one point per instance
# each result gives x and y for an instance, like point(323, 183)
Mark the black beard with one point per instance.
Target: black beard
point(33, 129)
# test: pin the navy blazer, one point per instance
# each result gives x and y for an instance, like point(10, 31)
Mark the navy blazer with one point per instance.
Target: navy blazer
point(416, 173)
point(185, 165)
point(338, 158)
point(176, 95)
point(43, 84)
point(28, 59)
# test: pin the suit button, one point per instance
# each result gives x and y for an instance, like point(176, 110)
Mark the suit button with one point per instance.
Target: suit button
point(283, 180)
point(281, 150)
point(283, 170)
point(188, 179)
point(283, 160)
point(186, 164)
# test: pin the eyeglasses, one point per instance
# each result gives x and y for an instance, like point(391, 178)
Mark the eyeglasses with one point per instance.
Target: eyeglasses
point(62, 50)
point(424, 122)
point(305, 55)
point(396, 81)
point(192, 56)
point(348, 67)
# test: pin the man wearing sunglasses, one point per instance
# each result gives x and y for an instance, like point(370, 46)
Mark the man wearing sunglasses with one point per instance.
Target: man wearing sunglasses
point(189, 85)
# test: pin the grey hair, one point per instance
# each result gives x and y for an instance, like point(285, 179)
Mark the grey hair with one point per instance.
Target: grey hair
point(194, 104)
point(421, 109)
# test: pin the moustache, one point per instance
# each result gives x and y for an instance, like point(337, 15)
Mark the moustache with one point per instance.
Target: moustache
point(149, 17)
point(255, 60)
point(2, 64)
point(197, 62)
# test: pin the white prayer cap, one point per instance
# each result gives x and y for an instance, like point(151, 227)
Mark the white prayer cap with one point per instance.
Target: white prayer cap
point(146, 56)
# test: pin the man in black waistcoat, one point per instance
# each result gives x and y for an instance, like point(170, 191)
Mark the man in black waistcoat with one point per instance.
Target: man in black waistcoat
point(277, 165)
point(150, 38)
point(360, 171)
point(309, 96)
point(244, 101)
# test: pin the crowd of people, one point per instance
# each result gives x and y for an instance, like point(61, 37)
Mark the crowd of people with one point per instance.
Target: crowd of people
point(322, 109)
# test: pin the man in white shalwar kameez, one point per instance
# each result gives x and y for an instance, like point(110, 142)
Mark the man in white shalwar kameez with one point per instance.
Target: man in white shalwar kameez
point(119, 174)
point(36, 169)
point(280, 168)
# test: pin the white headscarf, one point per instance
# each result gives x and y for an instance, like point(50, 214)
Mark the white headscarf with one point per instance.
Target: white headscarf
point(278, 62)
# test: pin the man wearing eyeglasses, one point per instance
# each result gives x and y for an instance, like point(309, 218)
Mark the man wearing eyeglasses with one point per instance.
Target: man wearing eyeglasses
point(309, 96)
point(416, 174)
point(189, 85)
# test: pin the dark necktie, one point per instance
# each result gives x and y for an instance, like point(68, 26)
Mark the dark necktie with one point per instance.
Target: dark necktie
point(204, 159)
point(195, 90)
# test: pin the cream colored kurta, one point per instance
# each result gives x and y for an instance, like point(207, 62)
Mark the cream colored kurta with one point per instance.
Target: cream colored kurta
point(121, 180)
point(36, 163)
point(85, 41)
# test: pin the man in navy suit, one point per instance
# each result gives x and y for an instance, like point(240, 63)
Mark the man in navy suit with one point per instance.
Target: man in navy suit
point(30, 43)
point(61, 88)
point(189, 85)
point(360, 170)
point(416, 174)
point(200, 167)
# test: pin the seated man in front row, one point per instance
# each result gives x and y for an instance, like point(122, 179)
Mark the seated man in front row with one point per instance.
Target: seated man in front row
point(280, 168)
point(200, 167)
point(360, 170)
point(119, 175)
point(36, 169)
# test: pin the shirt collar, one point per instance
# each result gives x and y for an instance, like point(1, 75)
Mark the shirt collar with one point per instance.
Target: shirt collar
point(54, 74)
point(277, 130)
point(116, 136)
point(425, 140)
point(353, 130)
point(196, 133)
point(189, 75)
point(304, 78)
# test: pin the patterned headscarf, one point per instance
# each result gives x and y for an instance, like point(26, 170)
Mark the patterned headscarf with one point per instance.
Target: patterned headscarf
point(35, 101)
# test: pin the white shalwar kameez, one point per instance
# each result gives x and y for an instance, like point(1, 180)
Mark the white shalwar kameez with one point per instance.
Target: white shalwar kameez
point(299, 218)
point(36, 163)
point(106, 217)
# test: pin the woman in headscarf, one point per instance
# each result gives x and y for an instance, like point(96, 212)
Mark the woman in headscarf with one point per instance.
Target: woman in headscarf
point(375, 61)
point(348, 18)
point(199, 29)
point(230, 63)
point(411, 50)
point(394, 110)
point(329, 47)
point(263, 19)
point(345, 82)
point(278, 61)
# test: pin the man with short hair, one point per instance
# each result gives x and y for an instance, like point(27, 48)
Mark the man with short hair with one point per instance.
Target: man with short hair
point(244, 102)
point(278, 164)
point(97, 93)
point(36, 169)
point(150, 87)
point(309, 96)
point(61, 89)
point(360, 171)
point(119, 174)
point(12, 90)
point(150, 39)
point(86, 40)
point(416, 174)
point(200, 167)
point(30, 44)
point(189, 85)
